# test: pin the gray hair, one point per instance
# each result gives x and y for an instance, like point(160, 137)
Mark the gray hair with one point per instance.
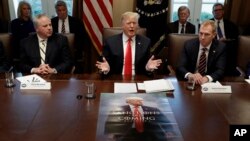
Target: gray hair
point(130, 14)
point(182, 8)
point(218, 4)
point(19, 9)
point(61, 3)
point(35, 20)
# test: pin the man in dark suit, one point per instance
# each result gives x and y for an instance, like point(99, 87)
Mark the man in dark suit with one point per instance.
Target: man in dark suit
point(136, 122)
point(181, 26)
point(227, 32)
point(115, 49)
point(212, 66)
point(3, 61)
point(63, 23)
point(44, 52)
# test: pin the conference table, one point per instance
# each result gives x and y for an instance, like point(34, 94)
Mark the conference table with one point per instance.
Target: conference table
point(60, 114)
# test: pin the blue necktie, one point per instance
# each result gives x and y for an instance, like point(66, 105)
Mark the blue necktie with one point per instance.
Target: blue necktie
point(219, 30)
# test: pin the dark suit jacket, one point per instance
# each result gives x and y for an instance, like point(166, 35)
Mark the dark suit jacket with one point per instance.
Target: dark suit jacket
point(120, 121)
point(216, 59)
point(76, 27)
point(3, 61)
point(231, 30)
point(20, 29)
point(113, 52)
point(248, 69)
point(173, 27)
point(57, 55)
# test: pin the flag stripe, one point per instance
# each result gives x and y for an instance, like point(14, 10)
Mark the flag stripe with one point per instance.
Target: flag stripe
point(96, 15)
point(92, 34)
point(106, 12)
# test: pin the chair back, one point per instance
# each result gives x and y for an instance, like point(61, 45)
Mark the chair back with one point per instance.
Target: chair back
point(71, 41)
point(107, 32)
point(175, 46)
point(243, 56)
point(6, 40)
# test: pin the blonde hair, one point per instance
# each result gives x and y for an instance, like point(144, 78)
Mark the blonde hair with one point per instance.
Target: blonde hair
point(19, 9)
point(211, 23)
point(130, 14)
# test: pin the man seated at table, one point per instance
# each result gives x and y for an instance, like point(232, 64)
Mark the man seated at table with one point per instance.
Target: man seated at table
point(203, 59)
point(127, 53)
point(44, 52)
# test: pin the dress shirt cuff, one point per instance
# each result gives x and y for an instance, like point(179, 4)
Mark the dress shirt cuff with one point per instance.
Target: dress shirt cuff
point(54, 71)
point(210, 79)
point(186, 75)
point(32, 70)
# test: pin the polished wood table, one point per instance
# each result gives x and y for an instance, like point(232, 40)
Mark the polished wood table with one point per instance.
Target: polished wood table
point(59, 115)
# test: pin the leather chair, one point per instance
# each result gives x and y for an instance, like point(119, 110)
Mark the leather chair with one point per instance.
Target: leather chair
point(107, 32)
point(243, 56)
point(175, 46)
point(6, 40)
point(71, 41)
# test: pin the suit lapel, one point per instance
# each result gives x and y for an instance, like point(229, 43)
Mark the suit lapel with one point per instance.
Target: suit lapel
point(35, 44)
point(49, 50)
point(120, 45)
point(211, 54)
point(138, 45)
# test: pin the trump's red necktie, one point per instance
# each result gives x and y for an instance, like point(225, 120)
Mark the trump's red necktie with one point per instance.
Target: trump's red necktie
point(128, 59)
point(138, 120)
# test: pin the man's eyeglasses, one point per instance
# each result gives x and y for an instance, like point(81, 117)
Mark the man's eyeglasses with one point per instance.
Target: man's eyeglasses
point(215, 10)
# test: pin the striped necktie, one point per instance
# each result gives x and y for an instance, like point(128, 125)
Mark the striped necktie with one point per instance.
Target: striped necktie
point(63, 27)
point(42, 51)
point(202, 62)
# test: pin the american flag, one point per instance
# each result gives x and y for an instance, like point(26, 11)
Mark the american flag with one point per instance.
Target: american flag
point(97, 14)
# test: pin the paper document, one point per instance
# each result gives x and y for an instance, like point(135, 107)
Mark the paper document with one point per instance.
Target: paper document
point(158, 85)
point(140, 86)
point(248, 81)
point(125, 88)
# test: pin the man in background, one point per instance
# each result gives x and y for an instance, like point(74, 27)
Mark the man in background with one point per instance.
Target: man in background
point(45, 52)
point(182, 25)
point(227, 32)
point(63, 23)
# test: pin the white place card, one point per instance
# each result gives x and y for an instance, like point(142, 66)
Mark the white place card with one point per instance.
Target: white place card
point(216, 89)
point(36, 86)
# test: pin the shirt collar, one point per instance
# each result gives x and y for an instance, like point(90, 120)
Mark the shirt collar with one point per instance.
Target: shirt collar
point(40, 39)
point(208, 47)
point(125, 38)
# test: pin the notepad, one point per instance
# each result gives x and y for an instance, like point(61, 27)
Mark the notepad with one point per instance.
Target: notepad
point(158, 85)
point(125, 88)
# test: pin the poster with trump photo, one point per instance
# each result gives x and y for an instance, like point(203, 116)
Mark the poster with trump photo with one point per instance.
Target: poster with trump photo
point(136, 117)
